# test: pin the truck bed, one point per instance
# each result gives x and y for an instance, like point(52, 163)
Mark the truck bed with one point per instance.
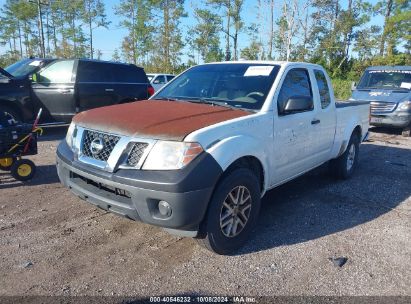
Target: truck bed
point(349, 114)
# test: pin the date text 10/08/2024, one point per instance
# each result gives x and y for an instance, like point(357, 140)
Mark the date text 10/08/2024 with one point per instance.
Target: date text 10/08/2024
point(202, 299)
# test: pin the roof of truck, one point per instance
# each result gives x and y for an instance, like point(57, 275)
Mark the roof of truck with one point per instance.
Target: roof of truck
point(270, 62)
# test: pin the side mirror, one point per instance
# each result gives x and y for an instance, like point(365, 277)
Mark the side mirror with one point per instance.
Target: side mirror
point(297, 104)
point(353, 86)
point(34, 77)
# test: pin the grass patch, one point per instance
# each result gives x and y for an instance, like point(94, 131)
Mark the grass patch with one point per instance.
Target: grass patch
point(342, 88)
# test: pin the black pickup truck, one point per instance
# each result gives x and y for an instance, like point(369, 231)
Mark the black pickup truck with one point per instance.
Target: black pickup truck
point(64, 87)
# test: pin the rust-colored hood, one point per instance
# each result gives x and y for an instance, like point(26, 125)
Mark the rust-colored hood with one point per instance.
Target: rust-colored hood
point(158, 119)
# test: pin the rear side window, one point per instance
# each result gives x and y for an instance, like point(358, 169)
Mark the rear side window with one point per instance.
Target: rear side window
point(296, 83)
point(58, 72)
point(90, 71)
point(160, 79)
point(128, 74)
point(323, 88)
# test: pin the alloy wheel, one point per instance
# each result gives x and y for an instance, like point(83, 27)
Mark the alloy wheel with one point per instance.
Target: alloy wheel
point(235, 211)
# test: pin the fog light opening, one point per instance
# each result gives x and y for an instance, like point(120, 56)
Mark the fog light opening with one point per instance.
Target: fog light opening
point(164, 208)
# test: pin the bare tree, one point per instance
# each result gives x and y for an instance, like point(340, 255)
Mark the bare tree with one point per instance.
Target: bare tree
point(271, 33)
point(289, 24)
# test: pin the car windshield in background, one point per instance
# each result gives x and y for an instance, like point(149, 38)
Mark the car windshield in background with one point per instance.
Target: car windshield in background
point(386, 79)
point(23, 67)
point(238, 85)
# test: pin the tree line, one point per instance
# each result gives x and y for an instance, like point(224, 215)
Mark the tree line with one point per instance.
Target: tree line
point(337, 34)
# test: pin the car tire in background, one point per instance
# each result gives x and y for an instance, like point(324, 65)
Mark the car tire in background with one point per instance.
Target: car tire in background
point(406, 132)
point(232, 213)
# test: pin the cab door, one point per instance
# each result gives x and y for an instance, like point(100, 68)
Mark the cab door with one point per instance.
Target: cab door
point(53, 89)
point(324, 130)
point(293, 130)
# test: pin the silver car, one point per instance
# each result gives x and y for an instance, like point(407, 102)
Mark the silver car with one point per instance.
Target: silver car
point(159, 80)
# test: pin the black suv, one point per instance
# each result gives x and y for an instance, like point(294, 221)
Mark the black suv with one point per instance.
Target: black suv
point(65, 87)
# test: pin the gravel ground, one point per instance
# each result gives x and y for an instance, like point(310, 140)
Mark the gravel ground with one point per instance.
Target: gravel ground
point(52, 243)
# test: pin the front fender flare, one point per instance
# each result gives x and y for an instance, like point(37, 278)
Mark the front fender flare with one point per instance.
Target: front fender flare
point(230, 149)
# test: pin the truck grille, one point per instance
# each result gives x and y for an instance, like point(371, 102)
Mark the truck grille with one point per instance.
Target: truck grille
point(98, 149)
point(382, 107)
point(136, 152)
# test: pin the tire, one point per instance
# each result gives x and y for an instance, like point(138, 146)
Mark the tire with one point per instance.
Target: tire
point(11, 113)
point(406, 132)
point(23, 169)
point(6, 163)
point(344, 166)
point(227, 236)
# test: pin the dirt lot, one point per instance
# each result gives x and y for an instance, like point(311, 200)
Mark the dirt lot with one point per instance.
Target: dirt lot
point(52, 243)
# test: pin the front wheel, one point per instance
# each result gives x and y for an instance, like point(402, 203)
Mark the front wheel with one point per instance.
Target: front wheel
point(232, 213)
point(344, 166)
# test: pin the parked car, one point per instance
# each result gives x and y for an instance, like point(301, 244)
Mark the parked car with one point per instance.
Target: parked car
point(159, 80)
point(388, 89)
point(198, 156)
point(68, 86)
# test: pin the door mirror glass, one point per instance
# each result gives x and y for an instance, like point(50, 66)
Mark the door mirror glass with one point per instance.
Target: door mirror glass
point(297, 104)
point(33, 77)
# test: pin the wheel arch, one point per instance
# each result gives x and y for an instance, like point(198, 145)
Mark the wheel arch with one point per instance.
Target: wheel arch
point(249, 162)
point(357, 129)
point(243, 151)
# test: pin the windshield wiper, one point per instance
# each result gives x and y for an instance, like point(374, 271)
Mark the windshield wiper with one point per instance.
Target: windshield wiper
point(203, 100)
point(212, 101)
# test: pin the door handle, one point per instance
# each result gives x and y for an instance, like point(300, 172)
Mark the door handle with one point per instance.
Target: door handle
point(64, 91)
point(109, 90)
point(315, 121)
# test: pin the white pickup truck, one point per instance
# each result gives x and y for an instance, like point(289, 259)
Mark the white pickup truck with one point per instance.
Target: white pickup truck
point(197, 158)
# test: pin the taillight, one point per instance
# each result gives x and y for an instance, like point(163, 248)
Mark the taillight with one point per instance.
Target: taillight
point(150, 91)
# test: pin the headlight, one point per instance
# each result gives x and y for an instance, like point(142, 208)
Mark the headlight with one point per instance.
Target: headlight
point(171, 155)
point(405, 105)
point(70, 135)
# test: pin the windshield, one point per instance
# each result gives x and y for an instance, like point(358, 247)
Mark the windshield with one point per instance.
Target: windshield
point(23, 67)
point(238, 85)
point(386, 79)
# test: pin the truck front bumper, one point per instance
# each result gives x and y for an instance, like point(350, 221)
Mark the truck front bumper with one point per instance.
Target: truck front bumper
point(135, 194)
point(395, 120)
